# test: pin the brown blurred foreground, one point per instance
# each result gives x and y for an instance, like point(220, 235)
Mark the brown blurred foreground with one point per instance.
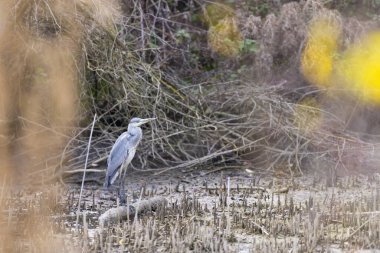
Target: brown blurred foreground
point(40, 64)
point(39, 93)
point(38, 82)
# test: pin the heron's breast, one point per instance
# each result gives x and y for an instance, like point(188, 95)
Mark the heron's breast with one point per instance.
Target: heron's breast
point(131, 154)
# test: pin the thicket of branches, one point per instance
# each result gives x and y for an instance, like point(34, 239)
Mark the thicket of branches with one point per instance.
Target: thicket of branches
point(211, 109)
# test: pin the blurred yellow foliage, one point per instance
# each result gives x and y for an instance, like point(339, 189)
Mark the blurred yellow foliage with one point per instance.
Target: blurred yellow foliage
point(215, 12)
point(359, 68)
point(318, 57)
point(225, 37)
point(307, 115)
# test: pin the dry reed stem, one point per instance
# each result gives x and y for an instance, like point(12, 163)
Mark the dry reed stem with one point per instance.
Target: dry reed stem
point(85, 169)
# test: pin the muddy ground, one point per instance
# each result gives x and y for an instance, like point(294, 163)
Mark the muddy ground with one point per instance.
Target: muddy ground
point(259, 213)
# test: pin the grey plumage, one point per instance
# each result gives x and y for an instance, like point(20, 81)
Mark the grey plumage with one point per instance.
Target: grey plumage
point(124, 150)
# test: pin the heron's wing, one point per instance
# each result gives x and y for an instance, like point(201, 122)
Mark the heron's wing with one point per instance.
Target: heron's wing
point(116, 158)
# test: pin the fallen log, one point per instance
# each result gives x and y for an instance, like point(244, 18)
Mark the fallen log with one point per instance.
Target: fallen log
point(120, 213)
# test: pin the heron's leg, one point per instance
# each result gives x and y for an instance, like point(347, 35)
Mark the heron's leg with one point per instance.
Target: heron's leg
point(122, 197)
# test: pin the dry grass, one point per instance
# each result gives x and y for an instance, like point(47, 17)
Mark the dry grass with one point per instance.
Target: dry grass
point(254, 216)
point(263, 214)
point(26, 223)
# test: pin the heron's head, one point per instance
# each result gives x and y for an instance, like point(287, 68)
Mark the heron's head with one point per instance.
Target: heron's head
point(135, 122)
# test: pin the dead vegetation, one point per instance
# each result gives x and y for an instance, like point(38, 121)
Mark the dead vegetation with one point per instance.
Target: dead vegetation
point(226, 116)
point(214, 214)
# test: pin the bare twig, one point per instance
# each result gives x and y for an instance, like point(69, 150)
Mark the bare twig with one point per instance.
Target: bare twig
point(84, 171)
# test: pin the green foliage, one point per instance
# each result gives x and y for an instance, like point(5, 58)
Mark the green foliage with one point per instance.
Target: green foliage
point(263, 9)
point(258, 8)
point(182, 35)
point(196, 18)
point(248, 46)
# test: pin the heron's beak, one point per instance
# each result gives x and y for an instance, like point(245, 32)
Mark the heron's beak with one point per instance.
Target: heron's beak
point(146, 120)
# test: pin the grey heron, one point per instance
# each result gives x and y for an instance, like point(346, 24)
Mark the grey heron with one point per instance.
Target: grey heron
point(122, 153)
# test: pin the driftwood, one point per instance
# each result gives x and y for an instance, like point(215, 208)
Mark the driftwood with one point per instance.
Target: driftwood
point(120, 213)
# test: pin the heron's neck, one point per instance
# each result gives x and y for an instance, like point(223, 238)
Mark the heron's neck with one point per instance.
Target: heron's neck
point(133, 130)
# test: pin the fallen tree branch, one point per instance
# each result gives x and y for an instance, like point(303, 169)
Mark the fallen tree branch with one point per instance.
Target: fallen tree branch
point(120, 213)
